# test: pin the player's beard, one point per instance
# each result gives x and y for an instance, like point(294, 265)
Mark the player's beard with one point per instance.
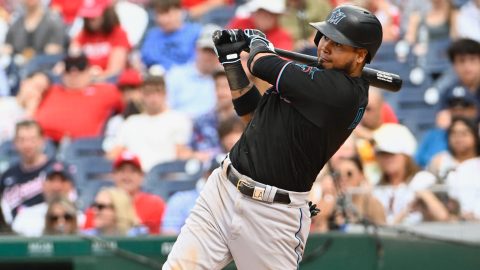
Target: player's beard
point(347, 67)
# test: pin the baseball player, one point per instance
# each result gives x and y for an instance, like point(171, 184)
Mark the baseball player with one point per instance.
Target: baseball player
point(254, 208)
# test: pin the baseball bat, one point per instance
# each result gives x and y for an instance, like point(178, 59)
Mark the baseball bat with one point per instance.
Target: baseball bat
point(381, 79)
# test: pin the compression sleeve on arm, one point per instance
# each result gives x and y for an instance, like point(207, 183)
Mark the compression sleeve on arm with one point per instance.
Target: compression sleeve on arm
point(236, 76)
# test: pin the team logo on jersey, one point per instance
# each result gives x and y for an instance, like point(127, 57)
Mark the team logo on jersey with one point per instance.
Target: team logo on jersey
point(336, 17)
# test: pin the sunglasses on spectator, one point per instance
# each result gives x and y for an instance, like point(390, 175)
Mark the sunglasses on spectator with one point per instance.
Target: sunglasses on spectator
point(101, 206)
point(55, 218)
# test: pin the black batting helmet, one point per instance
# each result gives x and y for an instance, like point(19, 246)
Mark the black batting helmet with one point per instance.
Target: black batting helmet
point(353, 26)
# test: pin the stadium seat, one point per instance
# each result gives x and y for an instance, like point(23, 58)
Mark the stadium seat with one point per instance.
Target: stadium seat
point(164, 179)
point(92, 169)
point(83, 148)
point(165, 189)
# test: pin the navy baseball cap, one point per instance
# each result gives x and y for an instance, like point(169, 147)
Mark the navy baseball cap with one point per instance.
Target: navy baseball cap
point(460, 97)
point(64, 170)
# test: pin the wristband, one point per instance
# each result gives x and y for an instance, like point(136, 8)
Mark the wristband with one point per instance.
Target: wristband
point(236, 76)
point(248, 102)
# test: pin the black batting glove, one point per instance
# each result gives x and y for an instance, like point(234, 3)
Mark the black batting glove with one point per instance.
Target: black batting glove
point(258, 41)
point(313, 209)
point(229, 44)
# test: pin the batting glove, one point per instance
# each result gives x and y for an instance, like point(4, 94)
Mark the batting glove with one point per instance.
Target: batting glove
point(229, 44)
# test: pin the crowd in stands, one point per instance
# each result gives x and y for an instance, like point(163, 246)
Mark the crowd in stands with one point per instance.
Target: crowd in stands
point(114, 112)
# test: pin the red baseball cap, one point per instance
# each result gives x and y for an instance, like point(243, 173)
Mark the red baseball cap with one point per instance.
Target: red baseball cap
point(127, 157)
point(93, 8)
point(130, 77)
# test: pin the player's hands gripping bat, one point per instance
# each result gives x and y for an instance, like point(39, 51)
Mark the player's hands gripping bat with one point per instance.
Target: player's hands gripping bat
point(229, 44)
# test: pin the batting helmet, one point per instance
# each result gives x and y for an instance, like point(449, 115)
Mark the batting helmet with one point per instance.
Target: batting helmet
point(353, 26)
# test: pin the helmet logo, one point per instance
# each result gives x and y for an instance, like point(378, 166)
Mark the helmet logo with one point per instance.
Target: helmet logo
point(336, 16)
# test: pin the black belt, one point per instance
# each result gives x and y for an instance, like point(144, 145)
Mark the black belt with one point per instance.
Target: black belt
point(248, 189)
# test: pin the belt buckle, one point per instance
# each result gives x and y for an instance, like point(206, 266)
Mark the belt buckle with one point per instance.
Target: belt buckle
point(243, 182)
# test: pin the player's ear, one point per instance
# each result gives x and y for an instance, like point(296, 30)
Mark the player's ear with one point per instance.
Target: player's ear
point(361, 55)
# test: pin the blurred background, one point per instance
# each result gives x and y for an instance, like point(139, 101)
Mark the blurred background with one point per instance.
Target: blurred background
point(114, 113)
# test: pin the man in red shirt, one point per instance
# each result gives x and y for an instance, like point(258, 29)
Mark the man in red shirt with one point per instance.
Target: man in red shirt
point(128, 175)
point(265, 16)
point(77, 108)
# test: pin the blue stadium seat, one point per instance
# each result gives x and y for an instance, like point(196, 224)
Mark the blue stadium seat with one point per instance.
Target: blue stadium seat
point(83, 148)
point(91, 170)
point(164, 179)
point(165, 189)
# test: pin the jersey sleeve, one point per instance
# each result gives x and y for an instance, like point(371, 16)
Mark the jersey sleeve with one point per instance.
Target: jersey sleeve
point(312, 91)
point(120, 39)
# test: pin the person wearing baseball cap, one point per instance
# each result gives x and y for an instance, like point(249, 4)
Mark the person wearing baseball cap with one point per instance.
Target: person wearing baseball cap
point(128, 176)
point(59, 183)
point(456, 102)
point(265, 16)
point(102, 39)
point(401, 178)
point(93, 8)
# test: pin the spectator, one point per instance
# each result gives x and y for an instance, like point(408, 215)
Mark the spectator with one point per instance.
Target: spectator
point(37, 32)
point(129, 83)
point(114, 215)
point(389, 15)
point(205, 141)
point(180, 203)
point(464, 54)
point(265, 16)
point(400, 179)
point(463, 144)
point(62, 112)
point(59, 182)
point(102, 39)
point(68, 9)
point(190, 87)
point(128, 176)
point(439, 23)
point(61, 217)
point(352, 202)
point(459, 103)
point(210, 11)
point(172, 41)
point(297, 16)
point(468, 20)
point(229, 131)
point(22, 106)
point(464, 187)
point(156, 135)
point(373, 119)
point(21, 184)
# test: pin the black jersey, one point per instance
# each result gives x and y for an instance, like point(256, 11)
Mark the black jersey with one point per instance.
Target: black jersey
point(20, 187)
point(299, 123)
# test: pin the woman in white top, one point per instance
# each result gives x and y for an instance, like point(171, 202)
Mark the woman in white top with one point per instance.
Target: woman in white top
point(463, 144)
point(402, 183)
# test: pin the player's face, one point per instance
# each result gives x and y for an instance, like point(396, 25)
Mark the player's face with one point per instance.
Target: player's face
point(333, 55)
